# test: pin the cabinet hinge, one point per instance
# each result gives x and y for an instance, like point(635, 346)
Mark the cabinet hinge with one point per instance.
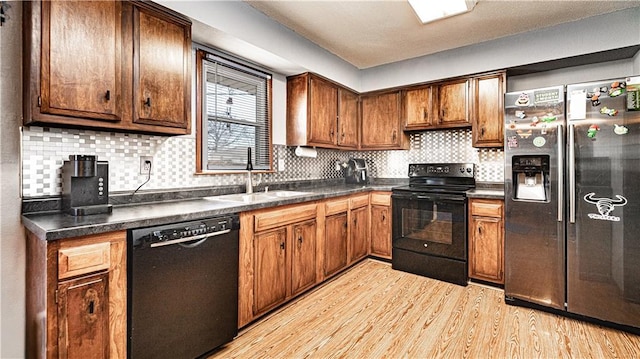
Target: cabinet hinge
point(39, 101)
point(56, 296)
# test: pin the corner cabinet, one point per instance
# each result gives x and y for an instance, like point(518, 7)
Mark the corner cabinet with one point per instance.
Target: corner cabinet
point(381, 123)
point(381, 224)
point(321, 113)
point(486, 240)
point(76, 297)
point(487, 117)
point(122, 66)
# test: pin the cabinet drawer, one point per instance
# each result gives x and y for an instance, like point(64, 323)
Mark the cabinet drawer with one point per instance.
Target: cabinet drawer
point(281, 217)
point(336, 206)
point(359, 201)
point(486, 208)
point(83, 259)
point(380, 199)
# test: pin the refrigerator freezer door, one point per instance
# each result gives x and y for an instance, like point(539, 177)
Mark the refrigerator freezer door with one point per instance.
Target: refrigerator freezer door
point(534, 226)
point(603, 243)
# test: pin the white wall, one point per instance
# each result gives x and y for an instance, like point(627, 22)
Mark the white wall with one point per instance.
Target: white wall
point(12, 241)
point(572, 75)
point(636, 64)
point(561, 41)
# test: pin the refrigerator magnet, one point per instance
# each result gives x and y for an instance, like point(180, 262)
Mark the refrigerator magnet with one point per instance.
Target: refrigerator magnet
point(620, 130)
point(593, 129)
point(539, 141)
point(512, 142)
point(608, 111)
point(577, 105)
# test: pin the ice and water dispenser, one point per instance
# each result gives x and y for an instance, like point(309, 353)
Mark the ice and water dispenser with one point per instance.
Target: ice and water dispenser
point(531, 177)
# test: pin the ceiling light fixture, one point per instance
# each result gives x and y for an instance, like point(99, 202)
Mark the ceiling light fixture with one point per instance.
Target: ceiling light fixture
point(429, 11)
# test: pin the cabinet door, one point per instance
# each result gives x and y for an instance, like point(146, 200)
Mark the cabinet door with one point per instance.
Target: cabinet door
point(303, 256)
point(270, 269)
point(380, 124)
point(348, 119)
point(453, 103)
point(418, 106)
point(335, 246)
point(162, 56)
point(81, 59)
point(359, 233)
point(323, 112)
point(488, 111)
point(83, 317)
point(486, 249)
point(381, 231)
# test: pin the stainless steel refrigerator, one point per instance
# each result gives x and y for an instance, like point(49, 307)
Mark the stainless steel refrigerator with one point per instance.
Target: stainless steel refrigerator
point(572, 199)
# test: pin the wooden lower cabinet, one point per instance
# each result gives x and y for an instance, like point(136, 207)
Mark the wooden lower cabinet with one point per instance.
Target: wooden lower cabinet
point(358, 227)
point(76, 297)
point(289, 249)
point(486, 240)
point(278, 257)
point(270, 269)
point(381, 224)
point(335, 243)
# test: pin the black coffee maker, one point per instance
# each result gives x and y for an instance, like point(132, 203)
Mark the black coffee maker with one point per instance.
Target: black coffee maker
point(85, 186)
point(356, 171)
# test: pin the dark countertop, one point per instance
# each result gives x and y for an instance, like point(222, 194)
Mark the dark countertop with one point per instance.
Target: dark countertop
point(487, 190)
point(57, 225)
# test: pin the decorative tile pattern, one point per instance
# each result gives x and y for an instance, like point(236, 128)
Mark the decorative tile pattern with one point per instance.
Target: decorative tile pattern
point(45, 149)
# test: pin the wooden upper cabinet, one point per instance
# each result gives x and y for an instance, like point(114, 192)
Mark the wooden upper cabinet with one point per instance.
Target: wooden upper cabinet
point(418, 108)
point(487, 116)
point(453, 104)
point(79, 68)
point(321, 113)
point(77, 79)
point(348, 119)
point(381, 122)
point(161, 69)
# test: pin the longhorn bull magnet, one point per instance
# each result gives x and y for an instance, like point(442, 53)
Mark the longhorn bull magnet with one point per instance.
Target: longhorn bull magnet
point(605, 206)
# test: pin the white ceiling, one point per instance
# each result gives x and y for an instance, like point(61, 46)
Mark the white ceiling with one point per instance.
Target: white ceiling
point(368, 33)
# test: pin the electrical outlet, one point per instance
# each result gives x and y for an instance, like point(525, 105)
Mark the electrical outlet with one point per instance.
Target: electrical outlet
point(146, 165)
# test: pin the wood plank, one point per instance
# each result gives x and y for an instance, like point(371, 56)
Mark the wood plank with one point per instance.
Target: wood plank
point(373, 311)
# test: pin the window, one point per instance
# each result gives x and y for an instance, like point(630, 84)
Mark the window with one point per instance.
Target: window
point(233, 114)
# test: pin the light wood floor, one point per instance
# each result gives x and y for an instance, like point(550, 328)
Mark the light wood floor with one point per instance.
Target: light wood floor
point(373, 311)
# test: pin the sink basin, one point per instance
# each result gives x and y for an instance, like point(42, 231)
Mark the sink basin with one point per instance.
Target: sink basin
point(256, 197)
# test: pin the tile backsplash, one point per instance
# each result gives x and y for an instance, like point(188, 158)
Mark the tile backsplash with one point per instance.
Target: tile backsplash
point(45, 149)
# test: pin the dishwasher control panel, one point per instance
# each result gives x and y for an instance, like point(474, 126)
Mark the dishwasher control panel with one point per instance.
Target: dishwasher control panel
point(184, 231)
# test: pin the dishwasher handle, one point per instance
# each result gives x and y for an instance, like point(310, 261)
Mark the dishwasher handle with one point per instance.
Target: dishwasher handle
point(200, 238)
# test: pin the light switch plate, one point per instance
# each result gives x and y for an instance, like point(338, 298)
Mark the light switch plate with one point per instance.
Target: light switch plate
point(280, 164)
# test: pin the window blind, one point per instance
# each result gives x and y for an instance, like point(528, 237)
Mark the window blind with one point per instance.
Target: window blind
point(235, 116)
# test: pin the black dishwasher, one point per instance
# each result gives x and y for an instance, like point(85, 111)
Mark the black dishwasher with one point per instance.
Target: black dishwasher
point(182, 288)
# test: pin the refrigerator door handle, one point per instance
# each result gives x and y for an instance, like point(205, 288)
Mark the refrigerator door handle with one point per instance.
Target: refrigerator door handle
point(560, 172)
point(572, 175)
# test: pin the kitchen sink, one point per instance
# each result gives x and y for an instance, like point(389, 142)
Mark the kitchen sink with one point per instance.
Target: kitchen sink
point(256, 197)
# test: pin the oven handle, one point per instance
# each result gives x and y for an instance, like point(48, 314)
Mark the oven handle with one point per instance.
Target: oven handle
point(436, 197)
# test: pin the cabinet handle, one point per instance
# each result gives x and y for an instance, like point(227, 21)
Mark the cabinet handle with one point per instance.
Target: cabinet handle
point(331, 133)
point(299, 240)
point(91, 307)
point(147, 102)
point(482, 132)
point(394, 135)
point(107, 95)
point(424, 113)
point(443, 113)
point(282, 245)
point(384, 216)
point(479, 229)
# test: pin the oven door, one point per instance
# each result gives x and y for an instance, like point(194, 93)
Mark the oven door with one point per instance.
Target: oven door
point(430, 223)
